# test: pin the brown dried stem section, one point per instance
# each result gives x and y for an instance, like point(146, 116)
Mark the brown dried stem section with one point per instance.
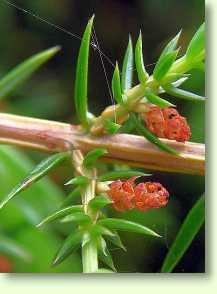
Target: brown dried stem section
point(132, 150)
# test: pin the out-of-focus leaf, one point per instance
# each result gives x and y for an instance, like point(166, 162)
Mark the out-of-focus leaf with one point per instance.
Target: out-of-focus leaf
point(127, 68)
point(36, 174)
point(81, 80)
point(173, 91)
point(104, 253)
point(185, 236)
point(124, 225)
point(154, 99)
point(122, 174)
point(152, 138)
point(69, 245)
point(43, 245)
point(163, 65)
point(196, 48)
point(78, 181)
point(99, 202)
point(92, 156)
point(140, 67)
point(11, 248)
point(20, 216)
point(116, 85)
point(24, 70)
point(60, 214)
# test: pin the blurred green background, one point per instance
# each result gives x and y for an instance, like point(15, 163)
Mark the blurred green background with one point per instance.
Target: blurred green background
point(49, 94)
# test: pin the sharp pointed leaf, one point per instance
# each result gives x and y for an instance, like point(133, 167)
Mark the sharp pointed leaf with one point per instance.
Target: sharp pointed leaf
point(171, 46)
point(185, 236)
point(127, 68)
point(152, 138)
point(60, 214)
point(92, 156)
point(115, 239)
point(69, 245)
point(163, 65)
point(173, 78)
point(156, 100)
point(180, 81)
point(116, 85)
point(173, 91)
point(81, 80)
point(125, 225)
point(123, 174)
point(102, 245)
point(196, 48)
point(100, 230)
point(77, 217)
point(36, 174)
point(23, 71)
point(104, 253)
point(140, 67)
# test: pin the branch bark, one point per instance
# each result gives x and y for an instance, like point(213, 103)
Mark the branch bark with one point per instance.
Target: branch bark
point(132, 150)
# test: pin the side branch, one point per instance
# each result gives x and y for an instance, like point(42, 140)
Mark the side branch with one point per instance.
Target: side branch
point(132, 150)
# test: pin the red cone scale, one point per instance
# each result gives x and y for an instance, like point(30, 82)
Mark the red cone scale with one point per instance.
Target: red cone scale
point(167, 123)
point(127, 195)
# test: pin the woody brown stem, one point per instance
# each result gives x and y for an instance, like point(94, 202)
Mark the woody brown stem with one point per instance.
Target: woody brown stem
point(132, 150)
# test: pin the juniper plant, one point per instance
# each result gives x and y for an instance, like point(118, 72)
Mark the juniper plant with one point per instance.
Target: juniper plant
point(149, 114)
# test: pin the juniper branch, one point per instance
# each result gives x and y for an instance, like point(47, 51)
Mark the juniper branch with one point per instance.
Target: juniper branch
point(132, 150)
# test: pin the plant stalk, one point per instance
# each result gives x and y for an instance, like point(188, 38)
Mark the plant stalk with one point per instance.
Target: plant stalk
point(89, 250)
point(90, 257)
point(128, 149)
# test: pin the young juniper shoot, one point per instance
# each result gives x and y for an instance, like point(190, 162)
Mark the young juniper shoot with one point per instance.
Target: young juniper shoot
point(150, 114)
